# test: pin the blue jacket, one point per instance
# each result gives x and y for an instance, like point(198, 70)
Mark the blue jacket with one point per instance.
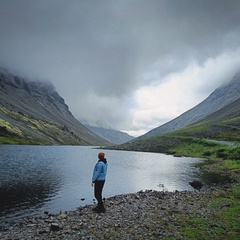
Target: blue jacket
point(100, 171)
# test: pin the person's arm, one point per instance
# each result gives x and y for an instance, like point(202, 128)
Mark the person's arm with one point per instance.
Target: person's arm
point(96, 173)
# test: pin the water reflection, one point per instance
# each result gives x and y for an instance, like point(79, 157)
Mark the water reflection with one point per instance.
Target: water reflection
point(27, 181)
point(24, 195)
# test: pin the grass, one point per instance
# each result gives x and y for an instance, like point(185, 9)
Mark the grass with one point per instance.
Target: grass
point(205, 149)
point(19, 141)
point(8, 127)
point(43, 132)
point(224, 223)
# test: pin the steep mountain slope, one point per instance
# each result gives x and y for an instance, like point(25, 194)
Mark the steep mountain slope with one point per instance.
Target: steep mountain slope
point(220, 98)
point(231, 111)
point(223, 125)
point(114, 136)
point(34, 110)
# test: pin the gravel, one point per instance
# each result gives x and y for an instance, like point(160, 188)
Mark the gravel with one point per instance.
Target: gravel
point(143, 215)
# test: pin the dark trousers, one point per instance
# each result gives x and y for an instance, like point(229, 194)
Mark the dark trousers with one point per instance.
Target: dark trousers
point(98, 187)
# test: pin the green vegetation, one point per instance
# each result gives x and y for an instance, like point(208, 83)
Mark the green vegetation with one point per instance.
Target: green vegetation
point(29, 130)
point(19, 141)
point(8, 129)
point(205, 148)
point(224, 223)
point(10, 134)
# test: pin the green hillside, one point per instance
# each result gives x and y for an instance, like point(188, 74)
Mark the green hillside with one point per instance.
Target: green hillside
point(223, 125)
point(32, 112)
point(25, 129)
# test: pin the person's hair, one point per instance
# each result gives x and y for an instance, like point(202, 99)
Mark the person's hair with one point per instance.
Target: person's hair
point(101, 155)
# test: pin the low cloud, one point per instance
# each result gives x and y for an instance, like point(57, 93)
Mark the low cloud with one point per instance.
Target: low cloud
point(168, 98)
point(133, 64)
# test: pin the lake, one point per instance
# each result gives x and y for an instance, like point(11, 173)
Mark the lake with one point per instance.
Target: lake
point(34, 179)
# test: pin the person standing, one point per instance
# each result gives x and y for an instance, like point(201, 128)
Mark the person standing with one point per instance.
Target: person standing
point(98, 180)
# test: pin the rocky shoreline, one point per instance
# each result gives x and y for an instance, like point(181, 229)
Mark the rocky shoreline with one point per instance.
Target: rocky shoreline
point(143, 215)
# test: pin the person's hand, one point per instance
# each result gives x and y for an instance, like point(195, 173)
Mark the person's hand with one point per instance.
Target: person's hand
point(92, 184)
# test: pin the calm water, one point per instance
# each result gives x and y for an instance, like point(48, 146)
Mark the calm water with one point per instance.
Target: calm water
point(34, 179)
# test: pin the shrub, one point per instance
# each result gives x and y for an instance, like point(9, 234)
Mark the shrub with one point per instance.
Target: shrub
point(234, 154)
point(221, 154)
point(207, 153)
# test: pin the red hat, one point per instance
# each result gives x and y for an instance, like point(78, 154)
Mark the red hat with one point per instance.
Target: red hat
point(101, 155)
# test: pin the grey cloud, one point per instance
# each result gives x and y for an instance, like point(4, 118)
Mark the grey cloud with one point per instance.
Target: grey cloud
point(119, 36)
point(106, 46)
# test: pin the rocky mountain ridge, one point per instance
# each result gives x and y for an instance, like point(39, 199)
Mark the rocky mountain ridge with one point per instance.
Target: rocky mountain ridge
point(34, 110)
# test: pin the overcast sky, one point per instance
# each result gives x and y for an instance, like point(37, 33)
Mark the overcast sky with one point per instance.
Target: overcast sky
point(132, 64)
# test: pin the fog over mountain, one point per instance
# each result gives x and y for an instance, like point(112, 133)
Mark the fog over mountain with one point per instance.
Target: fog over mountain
point(104, 130)
point(111, 135)
point(34, 111)
point(218, 99)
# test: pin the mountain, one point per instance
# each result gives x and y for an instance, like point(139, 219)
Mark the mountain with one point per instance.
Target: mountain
point(231, 111)
point(111, 135)
point(222, 125)
point(220, 98)
point(34, 112)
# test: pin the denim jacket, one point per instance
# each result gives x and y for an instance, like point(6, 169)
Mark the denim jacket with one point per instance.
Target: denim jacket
point(100, 171)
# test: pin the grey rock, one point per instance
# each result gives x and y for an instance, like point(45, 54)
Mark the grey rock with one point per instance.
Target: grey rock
point(54, 227)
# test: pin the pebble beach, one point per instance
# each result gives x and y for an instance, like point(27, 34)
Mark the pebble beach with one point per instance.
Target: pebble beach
point(143, 215)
